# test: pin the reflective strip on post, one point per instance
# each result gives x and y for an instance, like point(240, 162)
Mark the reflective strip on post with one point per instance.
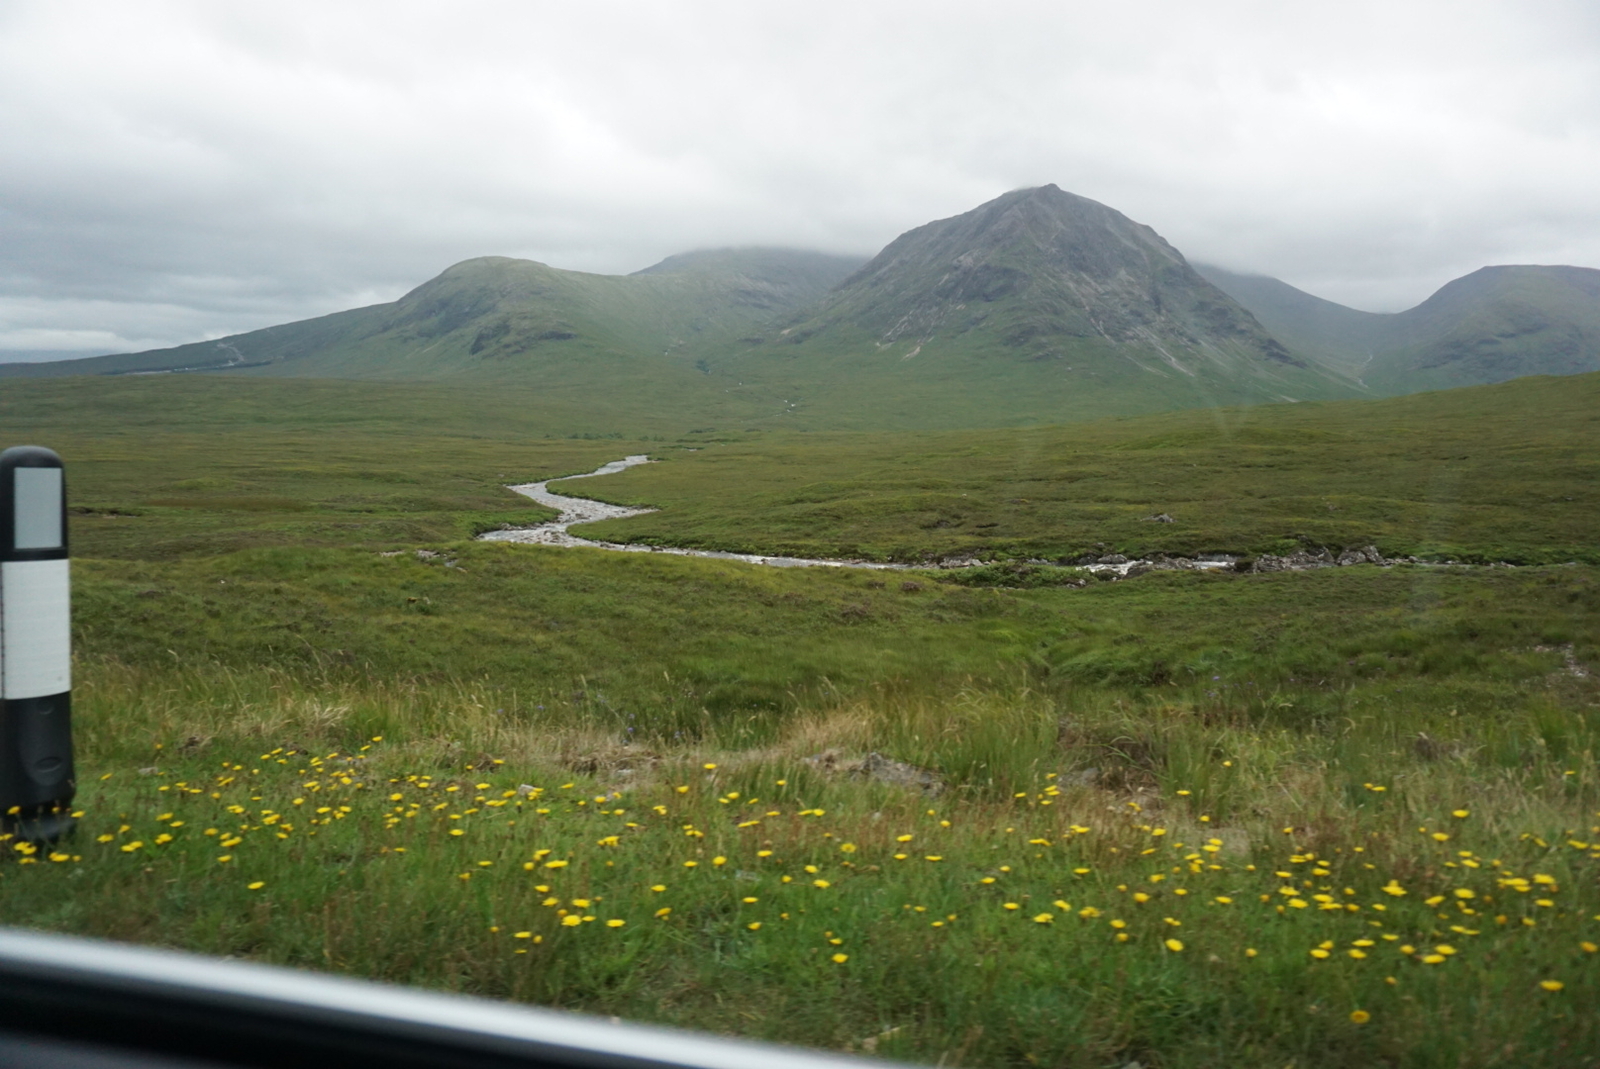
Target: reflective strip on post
point(36, 646)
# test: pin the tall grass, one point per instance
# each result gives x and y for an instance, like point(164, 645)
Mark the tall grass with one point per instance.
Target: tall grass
point(313, 821)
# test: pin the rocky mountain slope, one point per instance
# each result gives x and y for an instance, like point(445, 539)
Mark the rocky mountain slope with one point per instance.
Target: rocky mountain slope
point(1059, 306)
point(1036, 271)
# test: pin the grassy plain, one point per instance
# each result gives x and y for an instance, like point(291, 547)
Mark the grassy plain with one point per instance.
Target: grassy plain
point(164, 467)
point(1492, 473)
point(281, 730)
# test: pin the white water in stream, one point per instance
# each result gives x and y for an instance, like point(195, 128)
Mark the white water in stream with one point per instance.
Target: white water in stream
point(575, 510)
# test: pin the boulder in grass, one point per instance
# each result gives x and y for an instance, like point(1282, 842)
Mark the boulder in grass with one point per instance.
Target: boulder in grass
point(880, 769)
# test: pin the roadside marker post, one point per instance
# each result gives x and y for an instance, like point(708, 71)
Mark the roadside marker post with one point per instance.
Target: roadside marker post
point(37, 781)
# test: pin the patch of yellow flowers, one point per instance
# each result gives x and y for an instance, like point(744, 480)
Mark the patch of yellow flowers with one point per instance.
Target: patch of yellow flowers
point(1396, 922)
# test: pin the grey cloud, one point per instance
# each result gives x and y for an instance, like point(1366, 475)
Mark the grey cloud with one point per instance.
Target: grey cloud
point(170, 171)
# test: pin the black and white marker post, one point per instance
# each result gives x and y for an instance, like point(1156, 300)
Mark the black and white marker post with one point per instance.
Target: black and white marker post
point(36, 777)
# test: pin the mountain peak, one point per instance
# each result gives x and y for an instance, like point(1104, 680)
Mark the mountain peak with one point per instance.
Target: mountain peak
point(1040, 272)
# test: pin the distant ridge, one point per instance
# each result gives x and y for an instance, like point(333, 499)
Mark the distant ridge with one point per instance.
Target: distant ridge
point(1495, 324)
point(499, 318)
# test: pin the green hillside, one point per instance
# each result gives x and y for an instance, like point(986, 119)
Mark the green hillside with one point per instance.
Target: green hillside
point(498, 320)
point(1340, 337)
point(1495, 324)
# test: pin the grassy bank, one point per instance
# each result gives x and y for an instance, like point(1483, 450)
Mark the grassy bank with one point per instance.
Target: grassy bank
point(679, 644)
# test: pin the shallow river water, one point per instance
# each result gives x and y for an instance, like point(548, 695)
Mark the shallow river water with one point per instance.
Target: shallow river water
point(576, 510)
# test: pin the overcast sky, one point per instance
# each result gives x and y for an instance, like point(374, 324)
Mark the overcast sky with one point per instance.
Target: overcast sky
point(185, 170)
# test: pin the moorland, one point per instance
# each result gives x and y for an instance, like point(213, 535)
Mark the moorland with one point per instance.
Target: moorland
point(1174, 817)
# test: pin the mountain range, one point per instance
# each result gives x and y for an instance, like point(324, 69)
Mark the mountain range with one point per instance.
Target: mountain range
point(1039, 306)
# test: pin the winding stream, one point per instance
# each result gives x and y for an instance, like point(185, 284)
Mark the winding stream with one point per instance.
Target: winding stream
point(576, 510)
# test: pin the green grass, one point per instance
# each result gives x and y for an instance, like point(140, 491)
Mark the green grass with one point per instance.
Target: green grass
point(1487, 474)
point(161, 468)
point(739, 640)
point(1447, 688)
point(246, 630)
point(167, 467)
point(1445, 702)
